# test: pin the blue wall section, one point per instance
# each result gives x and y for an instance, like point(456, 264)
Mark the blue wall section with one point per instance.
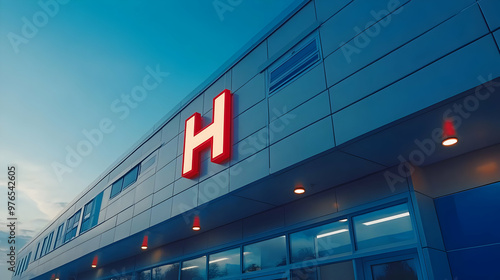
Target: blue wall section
point(470, 219)
point(476, 263)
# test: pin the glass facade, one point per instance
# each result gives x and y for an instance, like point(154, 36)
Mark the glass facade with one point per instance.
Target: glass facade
point(327, 240)
point(391, 225)
point(224, 264)
point(340, 270)
point(308, 254)
point(195, 269)
point(265, 254)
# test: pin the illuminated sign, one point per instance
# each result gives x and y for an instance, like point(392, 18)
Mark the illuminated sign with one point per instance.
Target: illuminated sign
point(216, 135)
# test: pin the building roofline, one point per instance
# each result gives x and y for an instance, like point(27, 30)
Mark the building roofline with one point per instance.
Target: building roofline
point(217, 74)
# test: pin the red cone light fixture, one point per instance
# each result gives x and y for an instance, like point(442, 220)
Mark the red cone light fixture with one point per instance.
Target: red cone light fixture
point(94, 262)
point(449, 134)
point(144, 245)
point(196, 223)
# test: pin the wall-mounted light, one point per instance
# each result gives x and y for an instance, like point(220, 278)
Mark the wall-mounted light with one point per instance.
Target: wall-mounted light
point(94, 262)
point(299, 189)
point(144, 245)
point(196, 223)
point(449, 134)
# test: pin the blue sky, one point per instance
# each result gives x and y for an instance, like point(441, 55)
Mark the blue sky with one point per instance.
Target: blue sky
point(62, 66)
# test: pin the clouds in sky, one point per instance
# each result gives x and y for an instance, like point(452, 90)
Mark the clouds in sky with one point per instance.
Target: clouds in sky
point(64, 78)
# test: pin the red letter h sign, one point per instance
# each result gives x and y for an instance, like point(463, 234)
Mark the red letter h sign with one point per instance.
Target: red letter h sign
point(216, 135)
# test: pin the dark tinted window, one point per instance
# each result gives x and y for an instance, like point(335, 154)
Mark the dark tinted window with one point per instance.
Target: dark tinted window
point(130, 177)
point(116, 188)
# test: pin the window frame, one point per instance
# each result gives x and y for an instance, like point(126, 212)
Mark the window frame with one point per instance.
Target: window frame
point(59, 237)
point(121, 181)
point(72, 227)
point(93, 214)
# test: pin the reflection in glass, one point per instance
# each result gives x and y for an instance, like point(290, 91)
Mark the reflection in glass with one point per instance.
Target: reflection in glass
point(224, 264)
point(194, 269)
point(307, 273)
point(386, 226)
point(144, 275)
point(265, 254)
point(395, 270)
point(326, 240)
point(166, 272)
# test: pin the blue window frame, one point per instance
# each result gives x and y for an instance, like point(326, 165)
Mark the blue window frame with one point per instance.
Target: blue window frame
point(91, 213)
point(59, 234)
point(116, 188)
point(36, 252)
point(72, 226)
point(44, 246)
point(27, 262)
point(130, 177)
point(125, 181)
point(17, 268)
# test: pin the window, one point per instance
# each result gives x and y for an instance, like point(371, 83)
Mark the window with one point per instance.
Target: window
point(297, 62)
point(404, 269)
point(72, 226)
point(36, 252)
point(116, 188)
point(130, 177)
point(91, 213)
point(166, 272)
point(144, 275)
point(43, 246)
point(27, 262)
point(341, 270)
point(59, 234)
point(326, 240)
point(125, 181)
point(21, 265)
point(224, 264)
point(46, 245)
point(49, 242)
point(194, 269)
point(17, 268)
point(265, 254)
point(386, 226)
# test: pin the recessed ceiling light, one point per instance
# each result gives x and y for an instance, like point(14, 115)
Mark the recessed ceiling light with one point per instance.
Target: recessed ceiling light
point(299, 189)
